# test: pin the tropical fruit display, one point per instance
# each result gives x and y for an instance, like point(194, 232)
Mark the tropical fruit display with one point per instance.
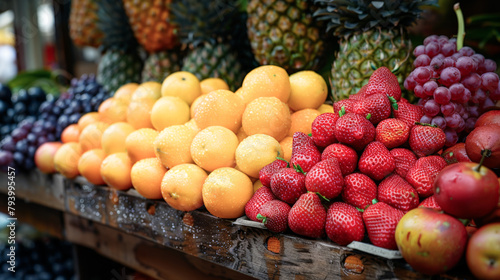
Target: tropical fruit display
point(220, 107)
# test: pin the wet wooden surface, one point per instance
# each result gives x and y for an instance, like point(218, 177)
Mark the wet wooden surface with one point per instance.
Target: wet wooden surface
point(96, 213)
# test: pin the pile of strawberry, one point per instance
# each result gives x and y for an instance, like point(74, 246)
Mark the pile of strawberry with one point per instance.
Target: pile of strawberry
point(361, 170)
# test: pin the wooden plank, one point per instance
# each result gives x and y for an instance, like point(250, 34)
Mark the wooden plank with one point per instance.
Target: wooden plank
point(43, 189)
point(42, 218)
point(142, 255)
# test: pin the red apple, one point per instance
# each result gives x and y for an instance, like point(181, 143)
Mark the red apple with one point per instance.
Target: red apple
point(466, 190)
point(456, 153)
point(44, 156)
point(483, 252)
point(490, 117)
point(484, 141)
point(430, 241)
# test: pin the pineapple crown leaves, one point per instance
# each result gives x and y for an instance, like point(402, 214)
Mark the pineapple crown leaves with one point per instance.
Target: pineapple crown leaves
point(346, 17)
point(113, 21)
point(204, 21)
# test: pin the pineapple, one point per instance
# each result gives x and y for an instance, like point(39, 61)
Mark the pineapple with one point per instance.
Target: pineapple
point(120, 63)
point(204, 27)
point(150, 21)
point(371, 34)
point(285, 33)
point(83, 24)
point(161, 64)
point(118, 67)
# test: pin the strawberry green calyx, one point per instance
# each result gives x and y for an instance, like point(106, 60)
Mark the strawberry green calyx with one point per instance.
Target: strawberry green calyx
point(360, 210)
point(263, 218)
point(280, 158)
point(342, 111)
point(394, 102)
point(368, 116)
point(322, 197)
point(298, 168)
point(461, 26)
point(426, 124)
point(465, 222)
point(374, 201)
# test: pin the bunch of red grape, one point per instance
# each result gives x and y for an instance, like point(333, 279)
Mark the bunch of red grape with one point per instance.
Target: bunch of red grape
point(454, 87)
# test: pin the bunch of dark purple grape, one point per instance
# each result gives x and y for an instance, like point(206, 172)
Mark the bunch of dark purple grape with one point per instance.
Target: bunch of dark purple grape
point(15, 108)
point(18, 149)
point(454, 87)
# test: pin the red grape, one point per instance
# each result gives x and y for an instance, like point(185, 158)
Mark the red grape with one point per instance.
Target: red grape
point(439, 122)
point(472, 81)
point(466, 65)
point(467, 51)
point(489, 81)
point(451, 137)
point(448, 49)
point(421, 75)
point(449, 76)
point(447, 109)
point(429, 88)
point(422, 60)
point(457, 91)
point(432, 49)
point(431, 108)
point(442, 95)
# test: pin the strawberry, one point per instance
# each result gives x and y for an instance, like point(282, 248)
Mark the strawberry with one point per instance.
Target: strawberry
point(426, 139)
point(288, 184)
point(361, 94)
point(348, 105)
point(381, 220)
point(376, 161)
point(359, 190)
point(404, 159)
point(392, 132)
point(398, 193)
point(323, 129)
point(259, 198)
point(409, 113)
point(383, 81)
point(354, 130)
point(345, 155)
point(377, 106)
point(308, 216)
point(325, 178)
point(304, 152)
point(274, 215)
point(430, 202)
point(267, 171)
point(423, 173)
point(344, 224)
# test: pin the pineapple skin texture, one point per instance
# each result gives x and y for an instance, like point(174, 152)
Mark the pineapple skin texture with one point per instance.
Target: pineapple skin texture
point(117, 68)
point(83, 28)
point(360, 52)
point(158, 66)
point(285, 33)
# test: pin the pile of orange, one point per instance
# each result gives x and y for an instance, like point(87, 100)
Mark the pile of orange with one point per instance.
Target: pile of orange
point(192, 142)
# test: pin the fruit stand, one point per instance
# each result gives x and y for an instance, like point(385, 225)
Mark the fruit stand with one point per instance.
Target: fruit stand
point(283, 139)
point(143, 233)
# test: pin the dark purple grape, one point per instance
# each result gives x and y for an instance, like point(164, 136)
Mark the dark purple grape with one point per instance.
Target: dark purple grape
point(31, 138)
point(31, 151)
point(450, 76)
point(469, 124)
point(49, 126)
point(439, 122)
point(8, 144)
point(6, 158)
point(18, 158)
point(74, 118)
point(473, 111)
point(451, 137)
point(466, 51)
point(426, 119)
point(20, 108)
point(41, 140)
point(51, 137)
point(487, 105)
point(421, 60)
point(19, 133)
point(22, 146)
point(453, 120)
point(495, 95)
point(478, 96)
point(447, 109)
point(489, 81)
point(28, 164)
point(38, 131)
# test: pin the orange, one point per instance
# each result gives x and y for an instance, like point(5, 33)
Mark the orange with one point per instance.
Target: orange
point(267, 115)
point(192, 125)
point(66, 159)
point(302, 121)
point(219, 107)
point(113, 110)
point(182, 84)
point(195, 104)
point(87, 119)
point(308, 90)
point(214, 147)
point(210, 84)
point(139, 144)
point(181, 186)
point(286, 146)
point(90, 137)
point(169, 110)
point(113, 138)
point(115, 171)
point(257, 185)
point(226, 191)
point(146, 91)
point(172, 146)
point(89, 166)
point(266, 81)
point(71, 133)
point(124, 93)
point(139, 113)
point(325, 108)
point(255, 152)
point(147, 175)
